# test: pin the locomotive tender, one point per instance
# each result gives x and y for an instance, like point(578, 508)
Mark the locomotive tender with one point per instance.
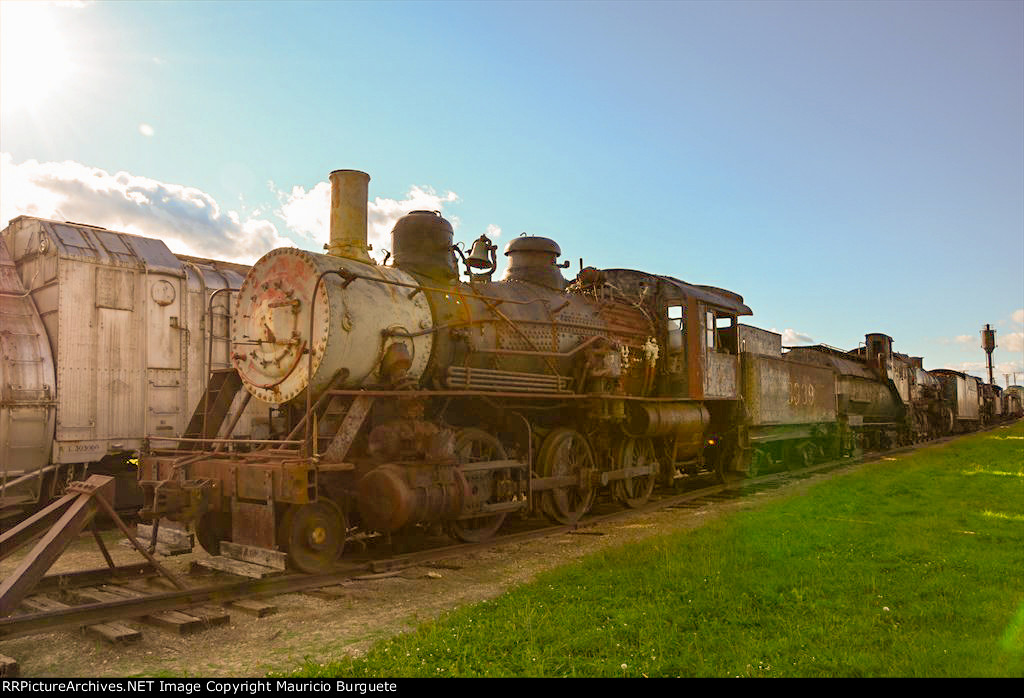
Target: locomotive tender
point(402, 396)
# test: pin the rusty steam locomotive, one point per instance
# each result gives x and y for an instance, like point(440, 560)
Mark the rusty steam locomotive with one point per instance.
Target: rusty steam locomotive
point(401, 396)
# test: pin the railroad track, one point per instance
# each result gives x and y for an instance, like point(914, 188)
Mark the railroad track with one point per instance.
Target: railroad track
point(102, 600)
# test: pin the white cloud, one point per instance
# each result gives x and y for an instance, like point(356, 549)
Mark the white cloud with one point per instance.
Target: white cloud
point(1018, 316)
point(1011, 342)
point(189, 220)
point(308, 213)
point(792, 338)
point(1000, 369)
point(960, 339)
point(967, 366)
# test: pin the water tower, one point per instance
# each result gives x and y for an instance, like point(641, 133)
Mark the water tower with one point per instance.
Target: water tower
point(988, 343)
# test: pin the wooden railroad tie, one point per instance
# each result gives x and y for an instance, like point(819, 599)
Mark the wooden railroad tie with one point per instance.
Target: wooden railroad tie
point(8, 668)
point(245, 561)
point(252, 607)
point(180, 622)
point(113, 632)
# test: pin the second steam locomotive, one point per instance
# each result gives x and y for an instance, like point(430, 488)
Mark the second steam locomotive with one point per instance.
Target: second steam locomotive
point(400, 395)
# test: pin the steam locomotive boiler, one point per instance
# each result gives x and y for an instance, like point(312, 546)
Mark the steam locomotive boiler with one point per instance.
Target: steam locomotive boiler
point(404, 396)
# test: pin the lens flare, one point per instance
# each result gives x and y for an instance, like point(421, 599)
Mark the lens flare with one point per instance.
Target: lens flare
point(35, 61)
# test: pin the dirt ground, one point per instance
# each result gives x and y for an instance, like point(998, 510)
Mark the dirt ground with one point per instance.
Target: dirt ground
point(307, 626)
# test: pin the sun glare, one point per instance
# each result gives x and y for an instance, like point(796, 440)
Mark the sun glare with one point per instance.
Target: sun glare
point(34, 58)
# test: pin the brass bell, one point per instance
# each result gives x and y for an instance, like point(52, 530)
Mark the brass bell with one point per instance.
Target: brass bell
point(482, 255)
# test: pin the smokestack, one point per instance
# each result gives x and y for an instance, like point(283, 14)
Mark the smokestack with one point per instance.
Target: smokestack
point(349, 192)
point(988, 343)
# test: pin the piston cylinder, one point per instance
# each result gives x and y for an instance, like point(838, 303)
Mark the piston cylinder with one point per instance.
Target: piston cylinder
point(394, 496)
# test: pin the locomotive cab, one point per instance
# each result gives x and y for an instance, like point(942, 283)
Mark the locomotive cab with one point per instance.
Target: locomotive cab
point(695, 394)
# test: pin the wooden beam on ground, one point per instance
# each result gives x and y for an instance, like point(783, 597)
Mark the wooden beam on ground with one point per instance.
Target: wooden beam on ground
point(252, 607)
point(258, 556)
point(236, 567)
point(331, 593)
point(210, 616)
point(170, 540)
point(95, 491)
point(8, 668)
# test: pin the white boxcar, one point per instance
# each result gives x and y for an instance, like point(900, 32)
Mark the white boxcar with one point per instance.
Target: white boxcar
point(128, 351)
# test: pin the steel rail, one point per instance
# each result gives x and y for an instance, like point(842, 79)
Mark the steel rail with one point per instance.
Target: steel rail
point(92, 614)
point(103, 575)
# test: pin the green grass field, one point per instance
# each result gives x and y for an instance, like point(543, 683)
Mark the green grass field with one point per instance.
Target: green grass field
point(910, 567)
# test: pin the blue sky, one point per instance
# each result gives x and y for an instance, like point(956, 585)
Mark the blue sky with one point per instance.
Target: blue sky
point(846, 167)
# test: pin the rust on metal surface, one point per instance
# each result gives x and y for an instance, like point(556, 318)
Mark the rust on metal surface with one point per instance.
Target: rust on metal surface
point(351, 423)
point(780, 391)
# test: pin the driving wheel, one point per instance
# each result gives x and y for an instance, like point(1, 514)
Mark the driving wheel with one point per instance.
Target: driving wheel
point(474, 446)
point(566, 452)
point(635, 491)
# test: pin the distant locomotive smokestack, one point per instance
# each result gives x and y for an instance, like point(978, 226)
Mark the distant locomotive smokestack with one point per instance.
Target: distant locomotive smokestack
point(349, 192)
point(988, 343)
